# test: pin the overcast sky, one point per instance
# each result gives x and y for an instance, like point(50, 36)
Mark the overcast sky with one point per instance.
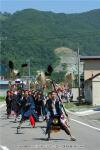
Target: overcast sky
point(65, 6)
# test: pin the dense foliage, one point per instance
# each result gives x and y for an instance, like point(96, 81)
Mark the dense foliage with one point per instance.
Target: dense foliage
point(32, 34)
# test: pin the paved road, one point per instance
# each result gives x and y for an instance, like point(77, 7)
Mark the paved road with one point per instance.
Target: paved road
point(88, 138)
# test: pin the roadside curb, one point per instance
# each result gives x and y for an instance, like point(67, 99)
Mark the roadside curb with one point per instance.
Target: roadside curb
point(2, 104)
point(68, 111)
point(82, 113)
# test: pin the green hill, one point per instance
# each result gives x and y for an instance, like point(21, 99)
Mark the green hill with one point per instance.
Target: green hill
point(32, 34)
point(4, 16)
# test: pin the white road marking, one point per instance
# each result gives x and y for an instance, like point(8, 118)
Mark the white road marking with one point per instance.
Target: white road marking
point(4, 147)
point(86, 124)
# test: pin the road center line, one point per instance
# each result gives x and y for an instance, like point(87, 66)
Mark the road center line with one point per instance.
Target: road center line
point(4, 147)
point(85, 124)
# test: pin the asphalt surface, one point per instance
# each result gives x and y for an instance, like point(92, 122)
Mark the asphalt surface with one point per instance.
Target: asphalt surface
point(29, 138)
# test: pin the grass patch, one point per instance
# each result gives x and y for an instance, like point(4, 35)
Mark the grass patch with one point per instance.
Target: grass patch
point(70, 106)
point(74, 107)
point(2, 98)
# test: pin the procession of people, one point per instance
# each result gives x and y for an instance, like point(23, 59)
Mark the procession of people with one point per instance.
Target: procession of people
point(37, 106)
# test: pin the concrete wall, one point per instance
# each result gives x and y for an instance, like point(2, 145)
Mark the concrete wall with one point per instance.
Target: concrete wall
point(96, 90)
point(3, 92)
point(75, 93)
point(88, 91)
point(91, 68)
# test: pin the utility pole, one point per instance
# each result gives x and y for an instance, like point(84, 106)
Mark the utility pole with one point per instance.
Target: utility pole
point(29, 68)
point(0, 48)
point(29, 73)
point(2, 39)
point(78, 56)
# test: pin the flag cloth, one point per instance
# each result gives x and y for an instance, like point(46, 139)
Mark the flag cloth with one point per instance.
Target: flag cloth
point(24, 65)
point(32, 121)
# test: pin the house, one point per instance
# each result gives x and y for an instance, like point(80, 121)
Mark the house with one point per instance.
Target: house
point(91, 66)
point(92, 90)
point(4, 85)
point(91, 81)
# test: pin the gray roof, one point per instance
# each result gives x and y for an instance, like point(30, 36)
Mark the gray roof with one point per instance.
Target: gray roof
point(89, 57)
point(2, 82)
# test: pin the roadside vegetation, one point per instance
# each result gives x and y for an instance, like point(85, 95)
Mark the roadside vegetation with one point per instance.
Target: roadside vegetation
point(75, 107)
point(26, 34)
point(2, 98)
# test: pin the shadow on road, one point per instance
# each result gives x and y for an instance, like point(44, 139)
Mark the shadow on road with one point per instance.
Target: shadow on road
point(23, 127)
point(51, 139)
point(40, 127)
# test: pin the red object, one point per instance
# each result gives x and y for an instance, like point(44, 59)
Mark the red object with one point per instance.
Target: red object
point(32, 121)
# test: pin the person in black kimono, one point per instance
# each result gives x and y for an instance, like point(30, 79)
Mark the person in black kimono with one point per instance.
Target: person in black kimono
point(39, 103)
point(28, 108)
point(8, 103)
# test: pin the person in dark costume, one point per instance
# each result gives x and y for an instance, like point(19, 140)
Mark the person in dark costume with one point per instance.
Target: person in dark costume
point(8, 103)
point(39, 102)
point(19, 99)
point(14, 102)
point(54, 109)
point(28, 108)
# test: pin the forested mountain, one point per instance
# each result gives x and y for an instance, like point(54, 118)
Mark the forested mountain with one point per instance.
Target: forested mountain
point(32, 34)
